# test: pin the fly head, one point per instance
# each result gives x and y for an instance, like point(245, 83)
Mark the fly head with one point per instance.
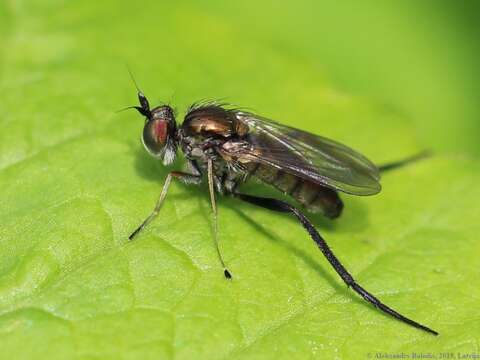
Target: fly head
point(160, 130)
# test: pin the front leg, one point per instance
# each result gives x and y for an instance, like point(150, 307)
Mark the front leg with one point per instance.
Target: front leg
point(183, 177)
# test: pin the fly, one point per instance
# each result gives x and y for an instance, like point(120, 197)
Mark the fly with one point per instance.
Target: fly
point(232, 146)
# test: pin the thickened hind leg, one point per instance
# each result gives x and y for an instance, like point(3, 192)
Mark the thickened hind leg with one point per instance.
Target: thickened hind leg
point(282, 206)
point(401, 163)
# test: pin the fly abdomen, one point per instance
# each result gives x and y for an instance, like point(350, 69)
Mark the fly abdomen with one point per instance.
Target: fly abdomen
point(314, 197)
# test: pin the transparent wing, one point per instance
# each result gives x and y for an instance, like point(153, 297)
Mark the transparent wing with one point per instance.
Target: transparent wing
point(312, 157)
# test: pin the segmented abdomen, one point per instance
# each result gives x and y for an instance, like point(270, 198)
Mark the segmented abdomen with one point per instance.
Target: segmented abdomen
point(314, 197)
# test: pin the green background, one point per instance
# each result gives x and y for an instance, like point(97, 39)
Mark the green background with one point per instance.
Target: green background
point(388, 78)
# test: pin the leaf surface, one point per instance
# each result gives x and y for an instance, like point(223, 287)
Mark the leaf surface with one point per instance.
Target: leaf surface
point(75, 181)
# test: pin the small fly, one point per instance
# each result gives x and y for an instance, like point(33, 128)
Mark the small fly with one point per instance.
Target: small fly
point(232, 146)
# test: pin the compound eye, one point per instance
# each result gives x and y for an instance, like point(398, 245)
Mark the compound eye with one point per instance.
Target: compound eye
point(155, 134)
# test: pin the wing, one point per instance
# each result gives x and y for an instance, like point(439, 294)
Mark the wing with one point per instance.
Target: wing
point(308, 156)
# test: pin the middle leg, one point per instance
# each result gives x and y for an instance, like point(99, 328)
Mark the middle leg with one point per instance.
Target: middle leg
point(211, 189)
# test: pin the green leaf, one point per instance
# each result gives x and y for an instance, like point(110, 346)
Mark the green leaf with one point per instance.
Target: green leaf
point(76, 181)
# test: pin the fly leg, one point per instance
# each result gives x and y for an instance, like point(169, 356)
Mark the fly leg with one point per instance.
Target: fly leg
point(281, 206)
point(401, 163)
point(183, 177)
point(227, 273)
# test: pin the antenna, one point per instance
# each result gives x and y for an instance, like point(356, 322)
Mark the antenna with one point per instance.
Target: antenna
point(126, 108)
point(133, 79)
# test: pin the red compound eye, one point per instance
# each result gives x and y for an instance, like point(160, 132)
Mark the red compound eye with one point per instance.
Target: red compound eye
point(155, 135)
point(159, 133)
point(160, 130)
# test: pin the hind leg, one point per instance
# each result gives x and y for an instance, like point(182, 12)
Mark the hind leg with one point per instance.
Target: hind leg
point(401, 163)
